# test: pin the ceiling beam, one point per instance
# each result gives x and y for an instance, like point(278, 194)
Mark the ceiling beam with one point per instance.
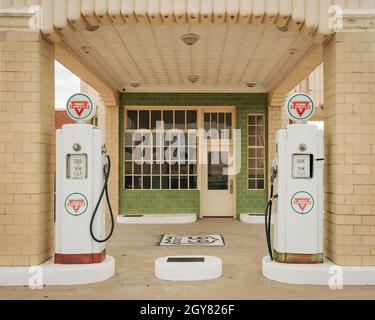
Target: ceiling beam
point(71, 60)
point(300, 71)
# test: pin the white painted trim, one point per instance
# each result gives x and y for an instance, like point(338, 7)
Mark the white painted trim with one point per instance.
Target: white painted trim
point(317, 274)
point(253, 219)
point(158, 219)
point(210, 269)
point(58, 274)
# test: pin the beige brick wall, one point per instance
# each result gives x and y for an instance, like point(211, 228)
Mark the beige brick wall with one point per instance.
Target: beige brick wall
point(26, 148)
point(349, 80)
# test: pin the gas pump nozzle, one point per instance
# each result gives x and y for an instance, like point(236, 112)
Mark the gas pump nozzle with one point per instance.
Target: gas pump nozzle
point(106, 172)
point(268, 212)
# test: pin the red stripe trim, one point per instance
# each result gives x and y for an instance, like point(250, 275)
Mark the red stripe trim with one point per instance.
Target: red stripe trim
point(85, 258)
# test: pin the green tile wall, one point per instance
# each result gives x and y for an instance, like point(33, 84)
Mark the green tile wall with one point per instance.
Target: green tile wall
point(161, 201)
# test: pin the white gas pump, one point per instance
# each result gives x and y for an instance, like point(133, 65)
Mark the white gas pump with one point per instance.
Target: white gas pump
point(297, 188)
point(82, 173)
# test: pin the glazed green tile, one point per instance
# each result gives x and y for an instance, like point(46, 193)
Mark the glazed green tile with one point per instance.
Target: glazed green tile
point(167, 201)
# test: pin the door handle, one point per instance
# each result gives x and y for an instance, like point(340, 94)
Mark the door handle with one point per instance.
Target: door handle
point(231, 188)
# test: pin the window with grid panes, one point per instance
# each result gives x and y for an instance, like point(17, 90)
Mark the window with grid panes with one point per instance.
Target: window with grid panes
point(218, 124)
point(256, 152)
point(155, 172)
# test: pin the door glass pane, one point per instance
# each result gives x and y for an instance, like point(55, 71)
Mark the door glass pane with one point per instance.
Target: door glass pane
point(216, 179)
point(132, 120)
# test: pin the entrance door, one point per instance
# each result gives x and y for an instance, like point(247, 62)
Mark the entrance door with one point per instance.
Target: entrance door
point(218, 186)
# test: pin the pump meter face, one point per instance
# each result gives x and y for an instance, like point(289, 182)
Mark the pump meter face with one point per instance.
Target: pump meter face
point(302, 166)
point(77, 166)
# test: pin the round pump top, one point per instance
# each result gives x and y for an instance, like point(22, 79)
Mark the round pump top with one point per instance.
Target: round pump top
point(80, 107)
point(300, 107)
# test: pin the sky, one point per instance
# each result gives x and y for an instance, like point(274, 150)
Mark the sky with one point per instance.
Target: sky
point(66, 84)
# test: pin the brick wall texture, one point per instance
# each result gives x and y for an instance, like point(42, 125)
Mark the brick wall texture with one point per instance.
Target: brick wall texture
point(349, 76)
point(26, 148)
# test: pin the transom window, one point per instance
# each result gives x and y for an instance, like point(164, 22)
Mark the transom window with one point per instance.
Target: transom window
point(256, 152)
point(218, 125)
point(168, 157)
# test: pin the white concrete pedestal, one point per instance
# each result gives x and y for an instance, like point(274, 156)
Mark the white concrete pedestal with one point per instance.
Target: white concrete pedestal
point(51, 274)
point(209, 269)
point(158, 219)
point(253, 219)
point(318, 274)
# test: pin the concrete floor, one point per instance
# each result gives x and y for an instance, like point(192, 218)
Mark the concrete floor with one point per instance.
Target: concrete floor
point(135, 250)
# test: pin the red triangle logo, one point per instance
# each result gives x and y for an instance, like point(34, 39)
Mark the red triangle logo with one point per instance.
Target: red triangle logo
point(79, 106)
point(302, 203)
point(76, 204)
point(301, 107)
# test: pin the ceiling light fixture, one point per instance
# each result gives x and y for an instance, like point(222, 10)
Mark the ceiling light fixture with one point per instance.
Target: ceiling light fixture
point(283, 29)
point(135, 84)
point(251, 84)
point(86, 49)
point(193, 78)
point(190, 39)
point(92, 28)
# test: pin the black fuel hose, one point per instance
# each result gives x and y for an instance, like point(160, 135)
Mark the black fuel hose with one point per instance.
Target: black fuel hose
point(107, 172)
point(267, 223)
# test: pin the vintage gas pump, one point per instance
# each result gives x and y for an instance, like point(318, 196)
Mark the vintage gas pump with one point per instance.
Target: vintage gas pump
point(82, 172)
point(297, 189)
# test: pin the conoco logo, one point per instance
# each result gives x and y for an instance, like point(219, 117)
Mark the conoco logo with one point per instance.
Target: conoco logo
point(302, 202)
point(80, 107)
point(76, 204)
point(300, 107)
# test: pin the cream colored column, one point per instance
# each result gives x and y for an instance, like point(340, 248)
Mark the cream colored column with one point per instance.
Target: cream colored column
point(277, 119)
point(27, 140)
point(112, 143)
point(349, 81)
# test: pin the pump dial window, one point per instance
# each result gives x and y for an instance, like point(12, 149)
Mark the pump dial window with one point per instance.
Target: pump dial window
point(302, 166)
point(77, 166)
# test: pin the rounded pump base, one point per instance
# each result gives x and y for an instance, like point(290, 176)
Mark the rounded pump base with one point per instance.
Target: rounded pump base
point(51, 274)
point(324, 274)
